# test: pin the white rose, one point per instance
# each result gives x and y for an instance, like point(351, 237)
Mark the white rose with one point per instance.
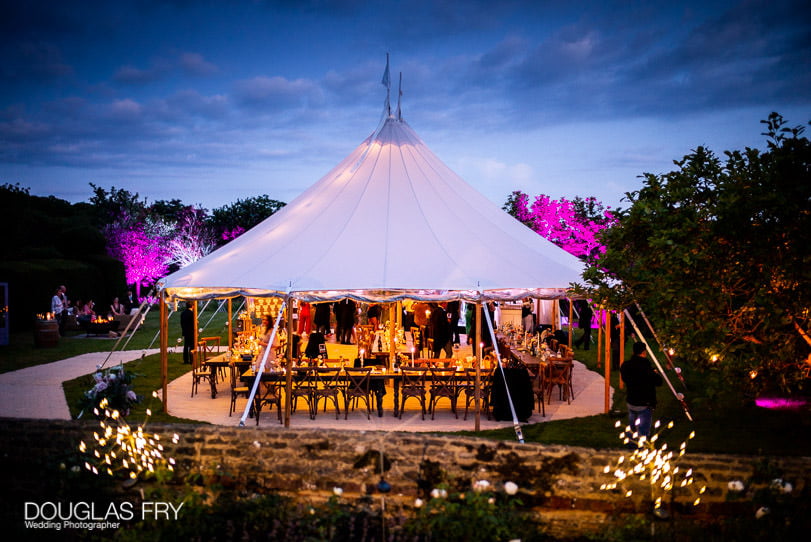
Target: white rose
point(481, 485)
point(337, 491)
point(418, 503)
point(735, 485)
point(511, 488)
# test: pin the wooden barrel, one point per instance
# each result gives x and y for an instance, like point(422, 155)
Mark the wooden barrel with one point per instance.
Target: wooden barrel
point(46, 333)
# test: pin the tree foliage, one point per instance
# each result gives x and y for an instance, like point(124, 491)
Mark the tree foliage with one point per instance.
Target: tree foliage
point(717, 252)
point(572, 225)
point(242, 215)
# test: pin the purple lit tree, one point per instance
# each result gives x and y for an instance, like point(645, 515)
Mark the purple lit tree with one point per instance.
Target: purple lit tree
point(192, 238)
point(572, 225)
point(144, 253)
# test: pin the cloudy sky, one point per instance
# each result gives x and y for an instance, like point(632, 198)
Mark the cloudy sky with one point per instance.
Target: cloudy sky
point(211, 101)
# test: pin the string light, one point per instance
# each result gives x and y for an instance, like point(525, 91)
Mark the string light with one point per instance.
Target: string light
point(647, 462)
point(120, 447)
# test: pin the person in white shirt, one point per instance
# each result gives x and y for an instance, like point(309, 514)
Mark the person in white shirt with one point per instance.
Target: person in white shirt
point(59, 307)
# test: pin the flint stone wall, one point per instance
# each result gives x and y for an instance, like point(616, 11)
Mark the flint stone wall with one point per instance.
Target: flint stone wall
point(561, 482)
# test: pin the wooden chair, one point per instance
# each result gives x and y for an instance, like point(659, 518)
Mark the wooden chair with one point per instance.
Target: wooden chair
point(328, 385)
point(199, 371)
point(559, 374)
point(469, 389)
point(237, 391)
point(412, 384)
point(357, 387)
point(303, 388)
point(444, 383)
point(212, 349)
point(536, 373)
point(272, 395)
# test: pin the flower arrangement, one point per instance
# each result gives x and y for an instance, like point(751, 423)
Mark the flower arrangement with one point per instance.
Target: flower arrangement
point(115, 385)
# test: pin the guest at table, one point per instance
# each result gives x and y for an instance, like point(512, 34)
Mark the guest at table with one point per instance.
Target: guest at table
point(187, 328)
point(267, 324)
point(641, 381)
point(116, 308)
point(86, 313)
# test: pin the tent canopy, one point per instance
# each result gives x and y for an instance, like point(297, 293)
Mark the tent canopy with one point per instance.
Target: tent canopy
point(391, 221)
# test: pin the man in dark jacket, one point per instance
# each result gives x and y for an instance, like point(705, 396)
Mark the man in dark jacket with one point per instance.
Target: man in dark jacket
point(187, 328)
point(641, 381)
point(584, 323)
point(441, 332)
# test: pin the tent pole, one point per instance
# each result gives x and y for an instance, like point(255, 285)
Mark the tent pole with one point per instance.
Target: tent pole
point(608, 361)
point(622, 343)
point(228, 324)
point(571, 315)
point(164, 344)
point(196, 337)
point(392, 327)
point(478, 361)
point(288, 403)
point(599, 337)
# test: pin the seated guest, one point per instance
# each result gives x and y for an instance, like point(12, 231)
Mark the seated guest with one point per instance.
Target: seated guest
point(116, 308)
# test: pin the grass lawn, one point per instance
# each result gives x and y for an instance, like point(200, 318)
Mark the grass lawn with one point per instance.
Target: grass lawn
point(722, 424)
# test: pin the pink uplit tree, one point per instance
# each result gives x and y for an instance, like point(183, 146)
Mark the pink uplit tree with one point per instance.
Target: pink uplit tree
point(192, 238)
point(572, 225)
point(144, 254)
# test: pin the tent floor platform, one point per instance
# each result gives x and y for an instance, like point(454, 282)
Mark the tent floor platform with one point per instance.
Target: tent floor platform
point(588, 400)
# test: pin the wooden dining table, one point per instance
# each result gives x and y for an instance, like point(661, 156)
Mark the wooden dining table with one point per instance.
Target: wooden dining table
point(380, 376)
point(224, 361)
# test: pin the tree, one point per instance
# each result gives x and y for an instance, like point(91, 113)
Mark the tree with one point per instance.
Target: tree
point(572, 225)
point(718, 253)
point(191, 239)
point(231, 220)
point(143, 252)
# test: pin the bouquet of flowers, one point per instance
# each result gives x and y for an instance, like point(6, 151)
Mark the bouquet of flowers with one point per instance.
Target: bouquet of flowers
point(115, 385)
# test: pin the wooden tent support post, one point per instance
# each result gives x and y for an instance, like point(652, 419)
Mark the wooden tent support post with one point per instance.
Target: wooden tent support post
point(229, 325)
point(599, 338)
point(288, 385)
point(479, 357)
point(571, 329)
point(392, 328)
point(608, 361)
point(163, 326)
point(622, 343)
point(196, 334)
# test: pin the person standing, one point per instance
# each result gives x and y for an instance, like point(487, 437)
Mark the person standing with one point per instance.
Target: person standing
point(584, 323)
point(641, 381)
point(322, 318)
point(346, 314)
point(59, 308)
point(527, 315)
point(304, 318)
point(129, 302)
point(187, 328)
point(453, 321)
point(440, 331)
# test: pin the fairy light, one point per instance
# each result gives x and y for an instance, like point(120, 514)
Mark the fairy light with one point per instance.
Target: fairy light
point(120, 447)
point(650, 463)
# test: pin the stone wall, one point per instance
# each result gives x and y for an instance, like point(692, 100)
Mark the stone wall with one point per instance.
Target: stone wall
point(561, 482)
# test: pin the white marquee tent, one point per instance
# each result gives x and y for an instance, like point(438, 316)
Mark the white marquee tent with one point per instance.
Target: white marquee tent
point(390, 221)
